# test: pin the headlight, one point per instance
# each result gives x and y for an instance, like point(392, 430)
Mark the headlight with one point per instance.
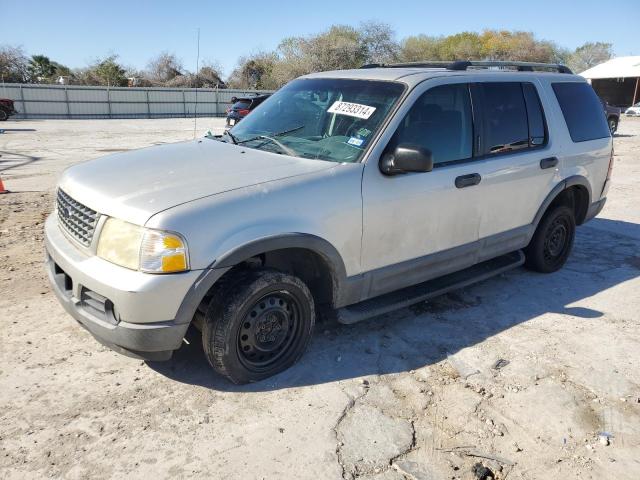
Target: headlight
point(140, 248)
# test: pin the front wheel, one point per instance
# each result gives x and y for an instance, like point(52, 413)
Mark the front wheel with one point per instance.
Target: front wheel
point(552, 241)
point(613, 125)
point(4, 115)
point(258, 324)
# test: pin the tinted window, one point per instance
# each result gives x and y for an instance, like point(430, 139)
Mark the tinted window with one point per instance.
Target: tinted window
point(537, 129)
point(242, 104)
point(582, 111)
point(440, 121)
point(505, 122)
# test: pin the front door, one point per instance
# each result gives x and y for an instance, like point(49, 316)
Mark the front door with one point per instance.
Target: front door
point(418, 226)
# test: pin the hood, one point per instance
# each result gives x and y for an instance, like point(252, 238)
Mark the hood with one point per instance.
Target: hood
point(137, 184)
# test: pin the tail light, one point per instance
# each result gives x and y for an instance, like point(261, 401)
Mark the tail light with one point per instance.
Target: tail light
point(610, 165)
point(244, 111)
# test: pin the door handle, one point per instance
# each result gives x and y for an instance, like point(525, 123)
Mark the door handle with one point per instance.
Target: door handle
point(548, 162)
point(468, 180)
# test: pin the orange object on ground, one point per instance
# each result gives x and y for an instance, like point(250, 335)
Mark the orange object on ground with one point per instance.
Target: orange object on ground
point(2, 189)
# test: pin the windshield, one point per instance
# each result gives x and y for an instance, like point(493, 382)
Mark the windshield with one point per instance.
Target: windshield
point(326, 119)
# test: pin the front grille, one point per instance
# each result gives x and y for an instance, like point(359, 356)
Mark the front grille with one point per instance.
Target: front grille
point(78, 220)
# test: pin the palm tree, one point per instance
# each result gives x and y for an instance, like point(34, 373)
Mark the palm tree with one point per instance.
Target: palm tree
point(40, 68)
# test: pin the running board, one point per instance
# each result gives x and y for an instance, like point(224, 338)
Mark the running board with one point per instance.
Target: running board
point(432, 288)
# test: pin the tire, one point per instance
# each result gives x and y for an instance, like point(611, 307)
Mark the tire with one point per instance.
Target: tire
point(613, 124)
point(552, 241)
point(4, 116)
point(258, 324)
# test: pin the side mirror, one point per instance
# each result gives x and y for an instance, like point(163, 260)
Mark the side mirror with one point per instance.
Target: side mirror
point(406, 158)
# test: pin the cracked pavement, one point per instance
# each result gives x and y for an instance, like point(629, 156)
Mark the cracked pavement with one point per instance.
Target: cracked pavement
point(416, 394)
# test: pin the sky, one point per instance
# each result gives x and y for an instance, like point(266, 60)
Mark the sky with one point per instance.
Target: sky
point(75, 33)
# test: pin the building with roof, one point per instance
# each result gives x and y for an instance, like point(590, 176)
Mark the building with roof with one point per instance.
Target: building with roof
point(617, 81)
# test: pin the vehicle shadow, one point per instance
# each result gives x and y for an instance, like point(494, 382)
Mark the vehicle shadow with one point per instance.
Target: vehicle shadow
point(427, 333)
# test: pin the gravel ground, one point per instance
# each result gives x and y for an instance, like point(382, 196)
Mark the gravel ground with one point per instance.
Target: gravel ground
point(530, 376)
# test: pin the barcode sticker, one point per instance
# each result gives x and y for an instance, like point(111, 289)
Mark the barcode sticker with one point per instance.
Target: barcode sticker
point(352, 109)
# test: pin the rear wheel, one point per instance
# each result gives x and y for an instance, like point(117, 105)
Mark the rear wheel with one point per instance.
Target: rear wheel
point(552, 241)
point(258, 325)
point(613, 124)
point(3, 115)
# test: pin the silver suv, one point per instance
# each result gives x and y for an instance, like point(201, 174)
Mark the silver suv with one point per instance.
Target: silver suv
point(349, 192)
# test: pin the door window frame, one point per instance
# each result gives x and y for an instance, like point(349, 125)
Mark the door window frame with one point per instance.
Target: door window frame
point(384, 141)
point(477, 99)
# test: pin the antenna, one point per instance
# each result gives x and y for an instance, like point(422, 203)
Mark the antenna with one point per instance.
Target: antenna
point(195, 109)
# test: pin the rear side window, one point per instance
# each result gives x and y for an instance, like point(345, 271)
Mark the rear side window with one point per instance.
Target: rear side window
point(582, 111)
point(537, 126)
point(505, 121)
point(441, 121)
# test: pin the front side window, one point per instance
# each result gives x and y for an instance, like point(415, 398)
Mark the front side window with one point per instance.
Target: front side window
point(324, 118)
point(440, 121)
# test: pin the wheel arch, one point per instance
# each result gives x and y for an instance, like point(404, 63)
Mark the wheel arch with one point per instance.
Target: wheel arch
point(574, 191)
point(311, 258)
point(326, 277)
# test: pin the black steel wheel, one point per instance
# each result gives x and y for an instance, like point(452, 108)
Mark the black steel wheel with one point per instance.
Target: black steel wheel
point(257, 325)
point(3, 115)
point(552, 241)
point(268, 330)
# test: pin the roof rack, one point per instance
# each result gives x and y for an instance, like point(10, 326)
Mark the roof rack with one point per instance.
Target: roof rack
point(466, 64)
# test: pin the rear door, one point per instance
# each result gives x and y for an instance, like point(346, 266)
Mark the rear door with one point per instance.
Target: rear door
point(588, 140)
point(515, 161)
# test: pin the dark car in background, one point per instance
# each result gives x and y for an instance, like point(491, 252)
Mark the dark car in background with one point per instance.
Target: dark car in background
point(242, 107)
point(613, 115)
point(6, 109)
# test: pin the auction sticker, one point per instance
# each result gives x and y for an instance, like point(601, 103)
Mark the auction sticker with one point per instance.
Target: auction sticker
point(352, 109)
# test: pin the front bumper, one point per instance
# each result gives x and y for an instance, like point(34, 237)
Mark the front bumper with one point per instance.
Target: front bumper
point(134, 313)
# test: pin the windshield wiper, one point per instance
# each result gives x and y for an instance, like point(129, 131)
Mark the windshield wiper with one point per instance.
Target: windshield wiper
point(262, 137)
point(232, 137)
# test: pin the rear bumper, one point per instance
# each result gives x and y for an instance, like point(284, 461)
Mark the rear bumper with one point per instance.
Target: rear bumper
point(595, 209)
point(137, 314)
point(234, 118)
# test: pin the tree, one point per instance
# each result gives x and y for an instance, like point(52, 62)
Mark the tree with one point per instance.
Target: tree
point(41, 69)
point(164, 68)
point(589, 55)
point(378, 40)
point(210, 76)
point(461, 46)
point(13, 65)
point(517, 46)
point(104, 72)
point(420, 47)
point(255, 72)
